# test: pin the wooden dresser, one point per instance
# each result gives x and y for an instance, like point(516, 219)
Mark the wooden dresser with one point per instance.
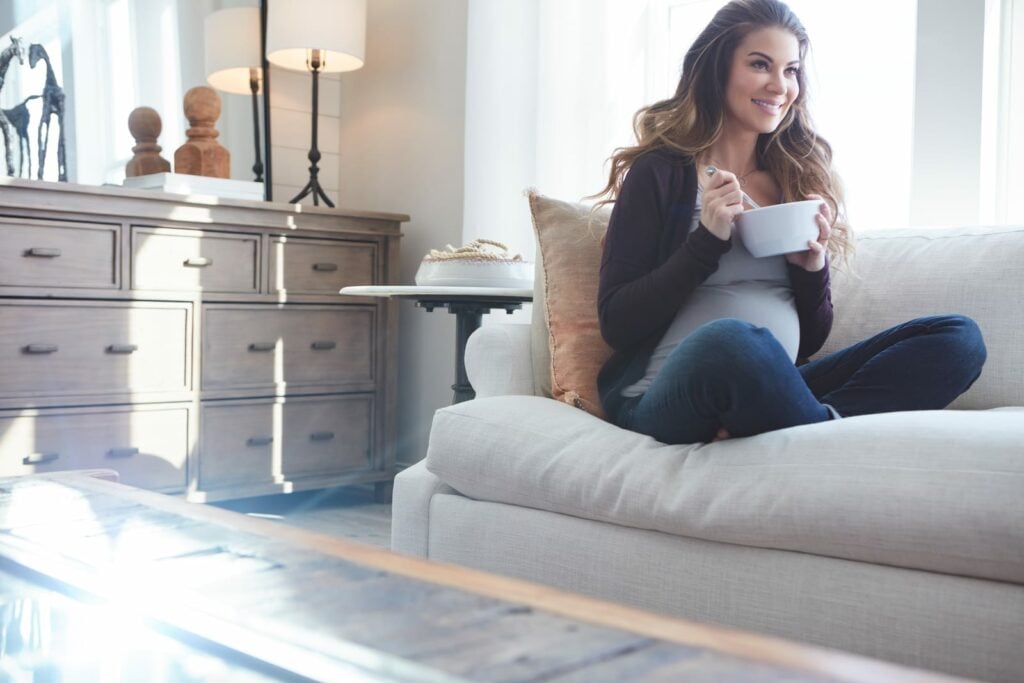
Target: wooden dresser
point(195, 345)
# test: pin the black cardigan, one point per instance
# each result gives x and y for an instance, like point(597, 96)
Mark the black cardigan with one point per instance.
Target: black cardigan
point(652, 263)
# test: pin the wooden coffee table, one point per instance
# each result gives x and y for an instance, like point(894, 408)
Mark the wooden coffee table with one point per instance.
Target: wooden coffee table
point(274, 602)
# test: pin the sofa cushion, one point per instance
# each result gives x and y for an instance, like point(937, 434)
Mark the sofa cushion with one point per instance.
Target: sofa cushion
point(931, 490)
point(569, 240)
point(978, 272)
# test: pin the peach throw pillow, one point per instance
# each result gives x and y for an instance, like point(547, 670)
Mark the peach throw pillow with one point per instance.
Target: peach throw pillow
point(569, 240)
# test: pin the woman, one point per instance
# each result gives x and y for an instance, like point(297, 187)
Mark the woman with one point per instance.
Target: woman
point(706, 337)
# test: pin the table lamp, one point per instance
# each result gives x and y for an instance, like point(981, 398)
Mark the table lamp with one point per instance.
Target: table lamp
point(318, 35)
point(233, 61)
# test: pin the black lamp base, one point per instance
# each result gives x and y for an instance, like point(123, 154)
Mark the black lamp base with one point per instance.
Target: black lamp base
point(313, 186)
point(254, 87)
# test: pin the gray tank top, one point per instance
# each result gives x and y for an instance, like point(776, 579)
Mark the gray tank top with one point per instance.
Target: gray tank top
point(756, 290)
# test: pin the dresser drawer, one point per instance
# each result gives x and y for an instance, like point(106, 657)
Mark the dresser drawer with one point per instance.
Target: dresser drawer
point(307, 266)
point(168, 259)
point(147, 447)
point(325, 437)
point(93, 348)
point(276, 440)
point(73, 255)
point(239, 443)
point(297, 346)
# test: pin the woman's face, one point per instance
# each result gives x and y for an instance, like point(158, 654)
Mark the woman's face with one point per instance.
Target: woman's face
point(762, 80)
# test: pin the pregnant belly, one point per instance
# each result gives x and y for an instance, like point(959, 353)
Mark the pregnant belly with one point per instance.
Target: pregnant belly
point(765, 304)
point(759, 303)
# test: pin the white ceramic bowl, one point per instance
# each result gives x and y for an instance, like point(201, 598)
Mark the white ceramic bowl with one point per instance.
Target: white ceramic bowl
point(778, 229)
point(475, 273)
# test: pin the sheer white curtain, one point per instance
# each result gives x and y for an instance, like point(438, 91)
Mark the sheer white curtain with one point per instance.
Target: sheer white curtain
point(1003, 113)
point(550, 91)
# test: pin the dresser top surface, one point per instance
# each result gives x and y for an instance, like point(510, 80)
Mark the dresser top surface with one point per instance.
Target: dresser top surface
point(68, 191)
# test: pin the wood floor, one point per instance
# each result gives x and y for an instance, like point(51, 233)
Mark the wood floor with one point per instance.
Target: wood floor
point(347, 512)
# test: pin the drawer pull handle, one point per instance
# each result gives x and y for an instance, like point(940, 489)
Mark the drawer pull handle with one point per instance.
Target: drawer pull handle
point(323, 345)
point(325, 267)
point(198, 262)
point(122, 452)
point(262, 346)
point(43, 252)
point(321, 436)
point(122, 348)
point(40, 348)
point(259, 440)
point(39, 458)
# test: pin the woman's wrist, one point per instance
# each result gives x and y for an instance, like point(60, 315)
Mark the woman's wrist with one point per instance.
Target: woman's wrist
point(714, 234)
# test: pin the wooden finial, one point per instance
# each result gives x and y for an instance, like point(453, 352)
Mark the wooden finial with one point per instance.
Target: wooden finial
point(202, 154)
point(144, 124)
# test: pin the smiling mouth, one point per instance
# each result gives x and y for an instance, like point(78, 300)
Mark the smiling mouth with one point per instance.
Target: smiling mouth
point(769, 107)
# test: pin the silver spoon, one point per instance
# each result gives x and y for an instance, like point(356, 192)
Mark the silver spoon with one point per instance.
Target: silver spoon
point(711, 170)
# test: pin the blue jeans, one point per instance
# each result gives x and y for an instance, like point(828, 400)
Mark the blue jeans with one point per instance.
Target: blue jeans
point(732, 374)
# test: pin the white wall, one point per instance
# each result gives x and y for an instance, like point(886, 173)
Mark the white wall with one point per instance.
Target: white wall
point(401, 150)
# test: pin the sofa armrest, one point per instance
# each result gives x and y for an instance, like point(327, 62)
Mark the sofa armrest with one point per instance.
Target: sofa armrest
point(499, 362)
point(410, 509)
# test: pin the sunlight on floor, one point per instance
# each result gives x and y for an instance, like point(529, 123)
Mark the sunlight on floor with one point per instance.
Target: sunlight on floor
point(345, 512)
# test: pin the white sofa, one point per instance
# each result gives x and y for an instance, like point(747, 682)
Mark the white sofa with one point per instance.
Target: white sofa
point(898, 536)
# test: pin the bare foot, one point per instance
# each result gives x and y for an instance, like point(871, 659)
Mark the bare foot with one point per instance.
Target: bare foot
point(722, 435)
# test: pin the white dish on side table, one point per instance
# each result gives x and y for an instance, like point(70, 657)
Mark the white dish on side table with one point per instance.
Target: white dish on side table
point(475, 273)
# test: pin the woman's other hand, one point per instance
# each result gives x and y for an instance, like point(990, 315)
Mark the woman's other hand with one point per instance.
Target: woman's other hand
point(813, 259)
point(721, 203)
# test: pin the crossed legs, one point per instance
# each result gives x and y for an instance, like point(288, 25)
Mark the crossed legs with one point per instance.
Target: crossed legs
point(734, 375)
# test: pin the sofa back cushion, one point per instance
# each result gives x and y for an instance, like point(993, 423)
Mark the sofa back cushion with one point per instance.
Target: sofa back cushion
point(903, 274)
point(568, 350)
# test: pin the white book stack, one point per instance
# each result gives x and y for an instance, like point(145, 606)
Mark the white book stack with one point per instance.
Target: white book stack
point(181, 183)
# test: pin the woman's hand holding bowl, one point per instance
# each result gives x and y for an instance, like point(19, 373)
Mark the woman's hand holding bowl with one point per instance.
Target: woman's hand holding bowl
point(813, 259)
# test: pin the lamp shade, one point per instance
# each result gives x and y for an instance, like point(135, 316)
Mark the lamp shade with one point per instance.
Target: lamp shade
point(232, 48)
point(336, 27)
